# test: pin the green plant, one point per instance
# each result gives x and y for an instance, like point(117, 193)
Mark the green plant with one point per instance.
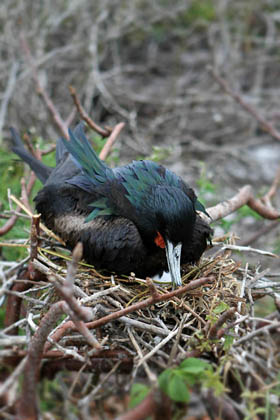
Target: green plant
point(137, 394)
point(272, 399)
point(205, 186)
point(158, 154)
point(240, 214)
point(198, 11)
point(177, 382)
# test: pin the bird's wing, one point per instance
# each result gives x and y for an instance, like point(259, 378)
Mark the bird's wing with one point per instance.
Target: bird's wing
point(60, 152)
point(95, 176)
point(140, 177)
point(94, 169)
point(114, 244)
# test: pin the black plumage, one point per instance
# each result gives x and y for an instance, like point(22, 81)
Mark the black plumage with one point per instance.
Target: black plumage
point(124, 217)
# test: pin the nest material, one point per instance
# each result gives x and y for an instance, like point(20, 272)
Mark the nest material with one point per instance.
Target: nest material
point(164, 333)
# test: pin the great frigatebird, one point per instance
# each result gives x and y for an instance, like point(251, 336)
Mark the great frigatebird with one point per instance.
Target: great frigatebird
point(139, 218)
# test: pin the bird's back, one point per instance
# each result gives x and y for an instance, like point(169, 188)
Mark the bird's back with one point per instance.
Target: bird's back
point(114, 202)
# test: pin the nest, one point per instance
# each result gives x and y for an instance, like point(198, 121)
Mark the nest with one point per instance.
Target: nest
point(139, 328)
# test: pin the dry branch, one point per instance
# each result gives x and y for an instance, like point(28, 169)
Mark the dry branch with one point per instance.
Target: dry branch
point(25, 192)
point(137, 306)
point(265, 125)
point(244, 196)
point(58, 120)
point(111, 140)
point(215, 329)
point(84, 115)
point(27, 407)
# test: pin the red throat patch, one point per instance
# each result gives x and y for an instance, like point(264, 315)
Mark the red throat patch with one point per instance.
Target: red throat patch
point(159, 241)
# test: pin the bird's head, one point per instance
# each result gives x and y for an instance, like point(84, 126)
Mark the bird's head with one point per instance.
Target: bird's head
point(170, 219)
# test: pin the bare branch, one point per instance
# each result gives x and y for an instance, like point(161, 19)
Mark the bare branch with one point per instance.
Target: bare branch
point(194, 284)
point(111, 140)
point(8, 93)
point(83, 114)
point(41, 91)
point(265, 125)
point(244, 196)
point(25, 193)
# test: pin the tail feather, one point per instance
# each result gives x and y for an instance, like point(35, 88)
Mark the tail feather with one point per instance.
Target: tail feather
point(42, 171)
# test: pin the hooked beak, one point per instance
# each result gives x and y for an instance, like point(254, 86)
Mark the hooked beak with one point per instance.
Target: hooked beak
point(173, 255)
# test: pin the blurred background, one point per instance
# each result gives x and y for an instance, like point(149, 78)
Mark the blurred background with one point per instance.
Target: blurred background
point(146, 62)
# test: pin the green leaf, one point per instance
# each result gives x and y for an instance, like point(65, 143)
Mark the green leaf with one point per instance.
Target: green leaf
point(228, 342)
point(178, 390)
point(164, 379)
point(137, 394)
point(212, 380)
point(221, 307)
point(193, 365)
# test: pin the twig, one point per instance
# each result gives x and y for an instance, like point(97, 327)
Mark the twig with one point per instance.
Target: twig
point(111, 140)
point(272, 191)
point(6, 96)
point(79, 313)
point(244, 196)
point(259, 234)
point(176, 342)
point(158, 346)
point(51, 149)
point(11, 222)
point(42, 226)
point(249, 249)
point(28, 405)
point(257, 332)
point(219, 323)
point(141, 325)
point(152, 377)
point(265, 125)
point(218, 407)
point(84, 115)
point(13, 377)
point(137, 306)
point(41, 91)
point(34, 243)
point(152, 288)
point(86, 400)
point(242, 291)
point(27, 408)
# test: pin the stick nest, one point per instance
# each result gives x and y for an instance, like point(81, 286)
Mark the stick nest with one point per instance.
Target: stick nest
point(215, 321)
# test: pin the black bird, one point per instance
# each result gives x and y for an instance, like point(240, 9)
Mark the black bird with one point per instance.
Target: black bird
point(139, 218)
